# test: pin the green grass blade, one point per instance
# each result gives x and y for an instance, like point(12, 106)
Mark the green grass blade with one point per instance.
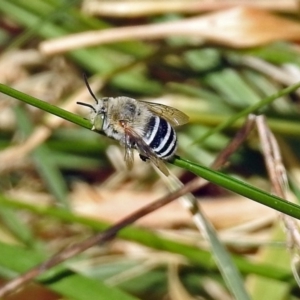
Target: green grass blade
point(79, 287)
point(19, 259)
point(45, 106)
point(21, 231)
point(230, 85)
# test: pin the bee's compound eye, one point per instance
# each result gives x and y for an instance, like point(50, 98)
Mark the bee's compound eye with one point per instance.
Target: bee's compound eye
point(98, 122)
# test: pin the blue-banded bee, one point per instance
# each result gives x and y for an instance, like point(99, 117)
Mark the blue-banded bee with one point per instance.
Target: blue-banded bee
point(144, 126)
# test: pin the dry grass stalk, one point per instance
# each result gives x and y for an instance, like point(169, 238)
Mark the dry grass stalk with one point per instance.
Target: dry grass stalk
point(278, 176)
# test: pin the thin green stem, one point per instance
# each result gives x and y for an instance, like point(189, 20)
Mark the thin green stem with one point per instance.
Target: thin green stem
point(45, 106)
point(241, 188)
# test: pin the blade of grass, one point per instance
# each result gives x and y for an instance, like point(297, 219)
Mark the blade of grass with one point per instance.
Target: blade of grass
point(241, 188)
point(20, 230)
point(79, 287)
point(278, 53)
point(231, 86)
point(45, 106)
point(16, 259)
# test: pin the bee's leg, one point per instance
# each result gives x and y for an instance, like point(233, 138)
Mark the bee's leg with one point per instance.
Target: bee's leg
point(143, 158)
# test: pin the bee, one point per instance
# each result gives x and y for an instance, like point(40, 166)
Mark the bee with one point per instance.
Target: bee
point(144, 126)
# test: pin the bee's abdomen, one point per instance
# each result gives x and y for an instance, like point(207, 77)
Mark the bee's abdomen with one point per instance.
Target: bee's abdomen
point(161, 137)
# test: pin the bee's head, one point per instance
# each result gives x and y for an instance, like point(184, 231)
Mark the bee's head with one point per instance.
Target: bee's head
point(98, 111)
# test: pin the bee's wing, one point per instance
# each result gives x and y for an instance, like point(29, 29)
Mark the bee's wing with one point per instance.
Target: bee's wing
point(174, 116)
point(143, 149)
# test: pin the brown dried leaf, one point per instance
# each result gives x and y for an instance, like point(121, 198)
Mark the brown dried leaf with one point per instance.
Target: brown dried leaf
point(238, 27)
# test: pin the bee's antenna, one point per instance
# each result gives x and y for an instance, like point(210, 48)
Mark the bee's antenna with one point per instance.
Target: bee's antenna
point(89, 88)
point(88, 105)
